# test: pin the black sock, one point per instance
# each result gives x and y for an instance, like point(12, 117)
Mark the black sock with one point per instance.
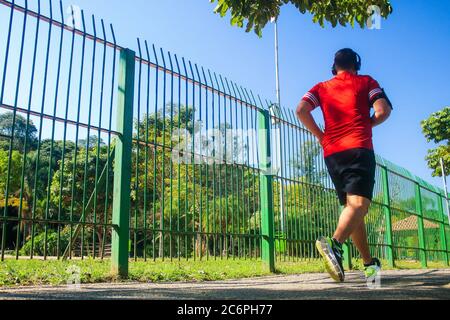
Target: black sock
point(369, 264)
point(373, 263)
point(337, 243)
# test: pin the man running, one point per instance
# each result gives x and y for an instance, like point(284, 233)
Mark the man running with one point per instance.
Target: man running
point(345, 102)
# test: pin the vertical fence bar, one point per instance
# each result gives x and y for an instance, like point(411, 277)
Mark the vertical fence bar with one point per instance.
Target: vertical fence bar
point(122, 168)
point(388, 216)
point(266, 186)
point(420, 226)
point(442, 234)
point(13, 128)
point(27, 130)
point(347, 246)
point(52, 140)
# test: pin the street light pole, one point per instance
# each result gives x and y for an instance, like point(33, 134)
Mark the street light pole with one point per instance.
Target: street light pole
point(444, 179)
point(277, 65)
point(280, 145)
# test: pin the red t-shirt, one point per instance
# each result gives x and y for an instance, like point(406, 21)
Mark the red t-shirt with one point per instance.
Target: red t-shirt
point(345, 101)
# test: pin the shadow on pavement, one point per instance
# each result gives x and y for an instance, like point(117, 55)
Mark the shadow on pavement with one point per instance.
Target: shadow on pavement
point(426, 285)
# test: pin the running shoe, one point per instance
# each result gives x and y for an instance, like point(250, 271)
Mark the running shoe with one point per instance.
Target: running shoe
point(372, 269)
point(331, 251)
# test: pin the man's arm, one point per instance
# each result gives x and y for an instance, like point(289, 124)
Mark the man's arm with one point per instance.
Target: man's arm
point(304, 110)
point(382, 112)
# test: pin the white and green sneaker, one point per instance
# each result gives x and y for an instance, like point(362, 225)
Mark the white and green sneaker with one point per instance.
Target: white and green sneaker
point(331, 251)
point(372, 269)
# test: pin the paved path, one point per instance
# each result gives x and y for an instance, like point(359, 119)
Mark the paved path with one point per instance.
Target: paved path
point(410, 284)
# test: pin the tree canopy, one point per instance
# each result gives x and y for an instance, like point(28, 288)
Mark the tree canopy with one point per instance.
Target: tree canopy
point(255, 14)
point(22, 132)
point(437, 129)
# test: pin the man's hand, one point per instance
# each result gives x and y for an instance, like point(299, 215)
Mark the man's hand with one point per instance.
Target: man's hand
point(304, 110)
point(382, 112)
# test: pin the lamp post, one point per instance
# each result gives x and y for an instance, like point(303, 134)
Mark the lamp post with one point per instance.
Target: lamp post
point(275, 111)
point(444, 179)
point(277, 65)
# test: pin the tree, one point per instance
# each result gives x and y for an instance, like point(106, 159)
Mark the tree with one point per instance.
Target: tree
point(11, 208)
point(49, 158)
point(306, 163)
point(21, 132)
point(207, 198)
point(14, 174)
point(437, 129)
point(257, 13)
point(69, 187)
point(73, 191)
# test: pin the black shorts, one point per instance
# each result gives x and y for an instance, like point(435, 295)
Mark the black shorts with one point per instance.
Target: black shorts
point(352, 171)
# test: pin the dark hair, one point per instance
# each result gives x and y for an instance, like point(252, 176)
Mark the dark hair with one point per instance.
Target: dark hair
point(346, 59)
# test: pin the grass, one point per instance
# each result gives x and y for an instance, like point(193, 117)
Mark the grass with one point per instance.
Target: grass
point(39, 272)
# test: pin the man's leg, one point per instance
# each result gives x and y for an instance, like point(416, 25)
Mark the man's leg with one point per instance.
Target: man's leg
point(359, 237)
point(350, 222)
point(352, 217)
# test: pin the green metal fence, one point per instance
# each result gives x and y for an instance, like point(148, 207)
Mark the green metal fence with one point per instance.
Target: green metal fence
point(109, 152)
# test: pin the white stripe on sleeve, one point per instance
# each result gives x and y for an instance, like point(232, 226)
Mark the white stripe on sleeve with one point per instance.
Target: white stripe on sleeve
point(313, 98)
point(374, 92)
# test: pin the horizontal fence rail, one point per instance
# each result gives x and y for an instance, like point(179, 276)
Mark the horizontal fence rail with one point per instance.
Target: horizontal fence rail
point(141, 154)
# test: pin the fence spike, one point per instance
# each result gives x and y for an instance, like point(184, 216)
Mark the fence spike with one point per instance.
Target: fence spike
point(163, 58)
point(113, 34)
point(211, 79)
point(198, 75)
point(94, 27)
point(51, 10)
point(192, 70)
point(223, 86)
point(147, 51)
point(185, 69)
point(139, 49)
point(170, 62)
point(61, 11)
point(204, 78)
point(154, 52)
point(103, 31)
point(178, 64)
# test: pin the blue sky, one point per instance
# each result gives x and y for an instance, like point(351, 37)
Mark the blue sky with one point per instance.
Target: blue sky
point(409, 56)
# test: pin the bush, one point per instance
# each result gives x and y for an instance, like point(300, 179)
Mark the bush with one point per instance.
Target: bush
point(52, 243)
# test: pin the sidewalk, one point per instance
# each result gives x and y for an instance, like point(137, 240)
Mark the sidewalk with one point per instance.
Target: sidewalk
point(404, 284)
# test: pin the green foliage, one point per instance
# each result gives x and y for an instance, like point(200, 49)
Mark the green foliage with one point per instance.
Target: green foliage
point(52, 243)
point(306, 163)
point(14, 172)
point(39, 162)
point(256, 14)
point(433, 158)
point(69, 186)
point(308, 210)
point(21, 132)
point(186, 196)
point(308, 203)
point(437, 129)
point(174, 116)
